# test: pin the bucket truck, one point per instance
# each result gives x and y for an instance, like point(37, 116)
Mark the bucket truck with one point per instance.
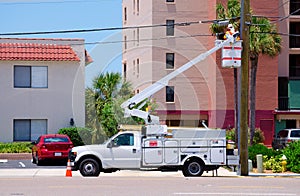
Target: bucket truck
point(192, 150)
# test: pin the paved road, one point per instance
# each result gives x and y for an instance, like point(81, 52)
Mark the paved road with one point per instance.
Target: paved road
point(14, 164)
point(164, 185)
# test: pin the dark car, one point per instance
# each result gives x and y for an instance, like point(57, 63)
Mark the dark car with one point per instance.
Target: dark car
point(284, 137)
point(51, 147)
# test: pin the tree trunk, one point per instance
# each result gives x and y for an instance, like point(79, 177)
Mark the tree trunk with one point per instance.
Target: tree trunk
point(254, 64)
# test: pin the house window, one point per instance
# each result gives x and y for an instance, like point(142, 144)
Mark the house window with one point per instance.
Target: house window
point(133, 67)
point(137, 67)
point(125, 71)
point(133, 6)
point(170, 1)
point(134, 39)
point(125, 14)
point(170, 57)
point(170, 27)
point(169, 93)
point(30, 77)
point(29, 130)
point(294, 65)
point(137, 7)
point(125, 43)
point(138, 36)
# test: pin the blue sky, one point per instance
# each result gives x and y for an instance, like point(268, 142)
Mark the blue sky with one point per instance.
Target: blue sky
point(53, 15)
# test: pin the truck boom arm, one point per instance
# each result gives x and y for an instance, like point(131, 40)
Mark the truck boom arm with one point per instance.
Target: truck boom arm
point(149, 91)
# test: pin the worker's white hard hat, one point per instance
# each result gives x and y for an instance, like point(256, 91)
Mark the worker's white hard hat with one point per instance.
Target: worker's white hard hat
point(230, 26)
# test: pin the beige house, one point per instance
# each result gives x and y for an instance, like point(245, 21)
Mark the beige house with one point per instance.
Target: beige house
point(42, 86)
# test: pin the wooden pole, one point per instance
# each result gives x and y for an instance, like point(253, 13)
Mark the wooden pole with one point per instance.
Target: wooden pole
point(243, 151)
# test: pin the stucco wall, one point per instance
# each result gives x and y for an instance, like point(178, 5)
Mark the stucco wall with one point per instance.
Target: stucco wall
point(63, 99)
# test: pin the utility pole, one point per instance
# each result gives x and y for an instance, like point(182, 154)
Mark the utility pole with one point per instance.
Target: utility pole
point(243, 141)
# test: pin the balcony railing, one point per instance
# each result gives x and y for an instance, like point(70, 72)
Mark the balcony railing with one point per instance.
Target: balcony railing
point(283, 103)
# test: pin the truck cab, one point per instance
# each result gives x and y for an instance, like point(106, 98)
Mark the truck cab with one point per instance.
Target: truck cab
point(122, 151)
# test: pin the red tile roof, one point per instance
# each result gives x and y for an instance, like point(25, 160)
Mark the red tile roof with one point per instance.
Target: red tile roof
point(36, 52)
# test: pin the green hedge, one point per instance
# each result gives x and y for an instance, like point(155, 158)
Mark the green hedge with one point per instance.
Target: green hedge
point(256, 149)
point(292, 152)
point(15, 147)
point(78, 135)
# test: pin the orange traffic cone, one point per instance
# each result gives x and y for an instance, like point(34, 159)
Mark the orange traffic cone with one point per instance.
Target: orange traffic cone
point(69, 169)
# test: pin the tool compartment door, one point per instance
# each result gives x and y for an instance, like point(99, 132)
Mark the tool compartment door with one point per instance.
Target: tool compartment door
point(217, 151)
point(152, 151)
point(171, 152)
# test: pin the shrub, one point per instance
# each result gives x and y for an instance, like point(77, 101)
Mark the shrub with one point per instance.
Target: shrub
point(292, 152)
point(230, 134)
point(258, 135)
point(78, 135)
point(273, 163)
point(15, 147)
point(263, 150)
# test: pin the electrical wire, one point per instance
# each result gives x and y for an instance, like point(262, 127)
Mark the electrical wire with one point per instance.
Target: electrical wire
point(115, 28)
point(52, 2)
point(128, 41)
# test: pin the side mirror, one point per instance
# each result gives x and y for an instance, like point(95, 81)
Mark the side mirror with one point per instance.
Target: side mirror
point(110, 144)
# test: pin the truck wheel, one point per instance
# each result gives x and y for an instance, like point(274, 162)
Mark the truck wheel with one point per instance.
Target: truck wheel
point(89, 167)
point(193, 168)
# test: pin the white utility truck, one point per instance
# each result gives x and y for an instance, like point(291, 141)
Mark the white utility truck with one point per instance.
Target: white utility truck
point(157, 147)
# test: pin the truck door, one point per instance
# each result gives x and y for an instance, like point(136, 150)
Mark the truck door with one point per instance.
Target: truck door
point(123, 152)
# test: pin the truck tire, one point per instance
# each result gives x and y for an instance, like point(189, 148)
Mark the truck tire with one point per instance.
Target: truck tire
point(89, 167)
point(193, 168)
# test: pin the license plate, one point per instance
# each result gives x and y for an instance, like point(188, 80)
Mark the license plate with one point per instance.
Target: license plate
point(57, 154)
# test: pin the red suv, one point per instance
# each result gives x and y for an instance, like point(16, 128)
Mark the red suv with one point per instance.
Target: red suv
point(51, 147)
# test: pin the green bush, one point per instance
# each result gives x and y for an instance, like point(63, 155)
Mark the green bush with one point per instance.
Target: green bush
point(273, 163)
point(15, 147)
point(78, 135)
point(258, 135)
point(292, 152)
point(261, 149)
point(230, 134)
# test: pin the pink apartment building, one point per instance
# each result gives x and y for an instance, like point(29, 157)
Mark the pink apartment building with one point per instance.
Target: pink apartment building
point(206, 91)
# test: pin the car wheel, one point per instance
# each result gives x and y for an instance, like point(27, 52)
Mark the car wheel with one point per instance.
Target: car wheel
point(33, 159)
point(89, 167)
point(37, 160)
point(193, 168)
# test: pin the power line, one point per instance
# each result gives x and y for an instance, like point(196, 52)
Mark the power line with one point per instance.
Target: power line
point(114, 28)
point(52, 2)
point(128, 41)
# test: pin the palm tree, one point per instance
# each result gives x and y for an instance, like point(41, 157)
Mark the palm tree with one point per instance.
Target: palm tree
point(105, 88)
point(103, 105)
point(263, 40)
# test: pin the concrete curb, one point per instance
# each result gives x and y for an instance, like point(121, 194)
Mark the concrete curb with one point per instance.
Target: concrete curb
point(15, 156)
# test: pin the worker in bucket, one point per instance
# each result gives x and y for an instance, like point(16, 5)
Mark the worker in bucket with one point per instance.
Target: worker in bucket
point(231, 32)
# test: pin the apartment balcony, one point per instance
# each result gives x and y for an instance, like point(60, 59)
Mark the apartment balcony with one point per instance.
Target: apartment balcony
point(294, 7)
point(283, 103)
